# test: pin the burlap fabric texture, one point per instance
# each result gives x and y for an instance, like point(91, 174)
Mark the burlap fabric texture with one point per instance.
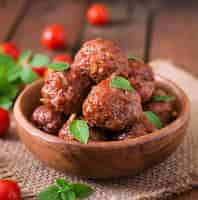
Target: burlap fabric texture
point(173, 176)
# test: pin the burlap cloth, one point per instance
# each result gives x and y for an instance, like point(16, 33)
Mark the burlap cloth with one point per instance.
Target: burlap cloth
point(173, 176)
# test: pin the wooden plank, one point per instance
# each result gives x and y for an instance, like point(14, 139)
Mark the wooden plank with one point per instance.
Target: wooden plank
point(127, 28)
point(175, 37)
point(10, 14)
point(43, 13)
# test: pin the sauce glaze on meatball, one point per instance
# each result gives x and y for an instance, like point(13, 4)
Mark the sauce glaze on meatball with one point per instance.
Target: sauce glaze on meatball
point(47, 119)
point(99, 58)
point(65, 90)
point(111, 108)
point(142, 78)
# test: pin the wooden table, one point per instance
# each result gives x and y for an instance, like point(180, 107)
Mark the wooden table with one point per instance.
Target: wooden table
point(149, 29)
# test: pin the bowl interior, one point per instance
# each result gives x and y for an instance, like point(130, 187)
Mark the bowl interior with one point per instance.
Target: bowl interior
point(30, 99)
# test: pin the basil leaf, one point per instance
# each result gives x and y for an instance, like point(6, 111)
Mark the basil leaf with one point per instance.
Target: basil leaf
point(154, 119)
point(59, 66)
point(14, 74)
point(62, 183)
point(50, 193)
point(81, 190)
point(39, 60)
point(27, 75)
point(132, 57)
point(80, 130)
point(24, 57)
point(12, 91)
point(70, 195)
point(4, 84)
point(163, 98)
point(5, 103)
point(6, 61)
point(121, 83)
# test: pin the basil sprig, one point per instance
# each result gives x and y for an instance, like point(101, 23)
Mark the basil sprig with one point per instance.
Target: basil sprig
point(80, 130)
point(64, 190)
point(121, 83)
point(154, 119)
point(163, 98)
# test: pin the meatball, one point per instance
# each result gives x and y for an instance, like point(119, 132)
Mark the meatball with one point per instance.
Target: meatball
point(142, 78)
point(94, 133)
point(111, 108)
point(140, 128)
point(164, 110)
point(47, 119)
point(65, 90)
point(99, 58)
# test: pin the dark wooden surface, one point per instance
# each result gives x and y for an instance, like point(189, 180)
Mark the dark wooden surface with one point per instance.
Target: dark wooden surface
point(149, 29)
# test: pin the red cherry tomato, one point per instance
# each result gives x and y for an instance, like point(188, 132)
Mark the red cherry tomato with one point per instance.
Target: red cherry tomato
point(98, 14)
point(10, 49)
point(39, 70)
point(62, 58)
point(54, 37)
point(4, 121)
point(9, 190)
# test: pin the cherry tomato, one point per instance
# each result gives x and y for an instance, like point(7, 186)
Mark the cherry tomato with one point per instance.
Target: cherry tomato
point(54, 37)
point(4, 121)
point(39, 70)
point(9, 190)
point(98, 14)
point(10, 49)
point(62, 58)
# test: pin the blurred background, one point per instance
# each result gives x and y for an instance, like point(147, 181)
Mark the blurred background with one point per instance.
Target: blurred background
point(151, 29)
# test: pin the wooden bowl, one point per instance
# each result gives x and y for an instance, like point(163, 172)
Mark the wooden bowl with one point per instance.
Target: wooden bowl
point(101, 159)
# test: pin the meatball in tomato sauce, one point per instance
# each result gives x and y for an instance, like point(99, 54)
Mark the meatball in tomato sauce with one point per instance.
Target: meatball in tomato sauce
point(65, 90)
point(111, 108)
point(47, 119)
point(99, 58)
point(140, 128)
point(142, 78)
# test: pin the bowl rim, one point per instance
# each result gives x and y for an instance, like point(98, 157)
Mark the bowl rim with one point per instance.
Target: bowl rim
point(156, 135)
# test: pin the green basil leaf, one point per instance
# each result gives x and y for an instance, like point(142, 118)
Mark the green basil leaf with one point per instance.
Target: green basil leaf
point(39, 60)
point(6, 61)
point(132, 57)
point(70, 195)
point(14, 74)
point(50, 193)
point(121, 83)
point(62, 183)
point(59, 66)
point(5, 103)
point(81, 190)
point(24, 57)
point(80, 130)
point(4, 84)
point(12, 91)
point(27, 75)
point(163, 98)
point(154, 119)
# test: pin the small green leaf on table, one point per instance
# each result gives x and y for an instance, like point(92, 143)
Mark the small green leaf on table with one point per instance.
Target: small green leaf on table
point(64, 190)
